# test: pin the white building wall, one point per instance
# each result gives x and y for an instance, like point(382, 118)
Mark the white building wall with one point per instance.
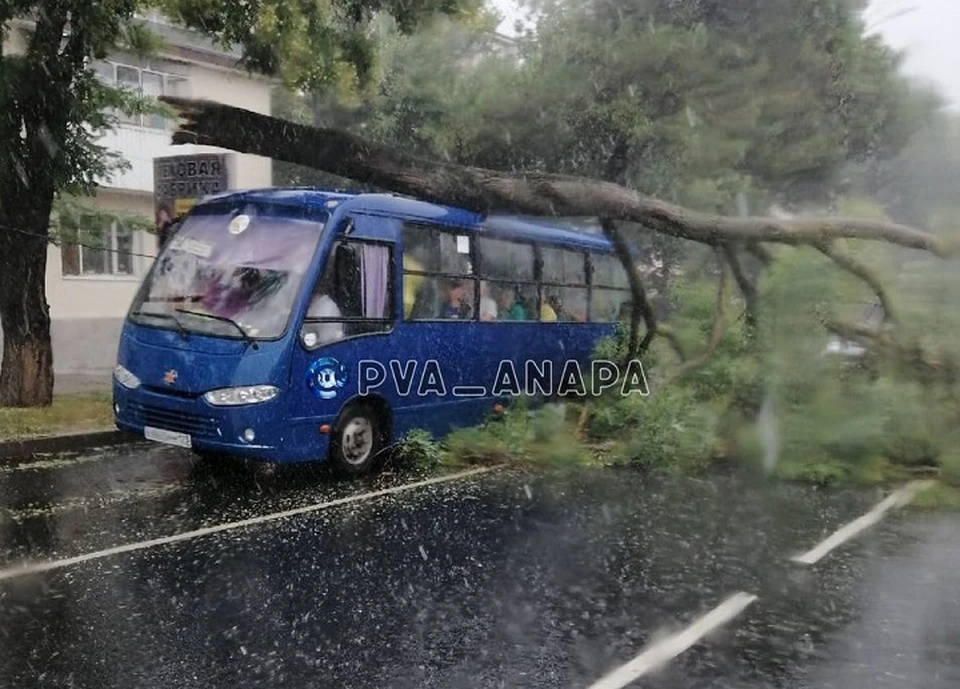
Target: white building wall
point(140, 145)
point(87, 311)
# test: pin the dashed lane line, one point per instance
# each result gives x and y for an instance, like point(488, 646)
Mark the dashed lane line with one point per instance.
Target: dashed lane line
point(662, 652)
point(896, 499)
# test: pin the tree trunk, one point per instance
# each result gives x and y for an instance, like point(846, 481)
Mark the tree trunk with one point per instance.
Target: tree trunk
point(26, 371)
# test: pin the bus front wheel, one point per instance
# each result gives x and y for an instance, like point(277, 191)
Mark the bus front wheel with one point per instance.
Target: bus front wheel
point(359, 440)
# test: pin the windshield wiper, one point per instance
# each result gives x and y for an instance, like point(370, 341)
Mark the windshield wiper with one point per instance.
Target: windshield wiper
point(223, 319)
point(165, 316)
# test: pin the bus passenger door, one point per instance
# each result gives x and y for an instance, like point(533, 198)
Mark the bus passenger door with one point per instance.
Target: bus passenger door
point(349, 317)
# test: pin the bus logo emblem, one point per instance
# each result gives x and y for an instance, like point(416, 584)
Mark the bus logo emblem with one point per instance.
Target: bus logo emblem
point(326, 377)
point(170, 377)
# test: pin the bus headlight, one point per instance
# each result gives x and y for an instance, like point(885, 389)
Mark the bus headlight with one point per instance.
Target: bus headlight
point(247, 394)
point(125, 378)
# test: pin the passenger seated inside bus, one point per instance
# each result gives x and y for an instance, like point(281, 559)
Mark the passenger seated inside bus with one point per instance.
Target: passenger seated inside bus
point(547, 312)
point(488, 306)
point(456, 304)
point(572, 307)
point(322, 305)
point(510, 309)
point(413, 287)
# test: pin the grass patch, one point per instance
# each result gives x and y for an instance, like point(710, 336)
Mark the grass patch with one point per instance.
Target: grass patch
point(75, 413)
point(937, 497)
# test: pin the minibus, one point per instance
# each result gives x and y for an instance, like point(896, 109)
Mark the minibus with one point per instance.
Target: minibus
point(293, 325)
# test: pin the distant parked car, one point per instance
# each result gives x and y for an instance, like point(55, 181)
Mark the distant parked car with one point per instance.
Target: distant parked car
point(872, 317)
point(838, 345)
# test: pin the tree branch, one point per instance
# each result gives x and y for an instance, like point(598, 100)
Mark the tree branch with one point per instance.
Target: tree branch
point(747, 288)
point(716, 330)
point(483, 190)
point(640, 303)
point(761, 253)
point(856, 268)
point(670, 335)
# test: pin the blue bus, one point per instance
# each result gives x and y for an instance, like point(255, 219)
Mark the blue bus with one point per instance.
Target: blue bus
point(291, 325)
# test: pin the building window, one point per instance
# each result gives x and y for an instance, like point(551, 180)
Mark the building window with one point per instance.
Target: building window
point(99, 250)
point(144, 82)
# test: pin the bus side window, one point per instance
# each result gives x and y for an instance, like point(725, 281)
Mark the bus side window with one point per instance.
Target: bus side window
point(564, 285)
point(508, 269)
point(610, 297)
point(436, 259)
point(354, 294)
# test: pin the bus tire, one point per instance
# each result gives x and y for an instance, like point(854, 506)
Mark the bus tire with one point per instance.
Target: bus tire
point(359, 440)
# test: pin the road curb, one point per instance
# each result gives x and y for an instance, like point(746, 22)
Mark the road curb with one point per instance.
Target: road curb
point(28, 447)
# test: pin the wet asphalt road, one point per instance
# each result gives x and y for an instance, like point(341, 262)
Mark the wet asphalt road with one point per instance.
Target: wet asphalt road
point(510, 579)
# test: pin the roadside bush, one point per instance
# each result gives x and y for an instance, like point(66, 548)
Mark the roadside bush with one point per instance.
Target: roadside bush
point(669, 430)
point(918, 428)
point(418, 448)
point(950, 466)
point(820, 470)
point(542, 436)
point(858, 429)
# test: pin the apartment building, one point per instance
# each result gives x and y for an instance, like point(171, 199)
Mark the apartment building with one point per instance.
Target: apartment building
point(90, 285)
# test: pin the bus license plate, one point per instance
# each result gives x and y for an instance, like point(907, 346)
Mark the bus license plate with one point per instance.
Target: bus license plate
point(167, 437)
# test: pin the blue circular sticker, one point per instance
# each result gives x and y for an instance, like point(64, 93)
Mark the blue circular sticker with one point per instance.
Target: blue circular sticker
point(325, 377)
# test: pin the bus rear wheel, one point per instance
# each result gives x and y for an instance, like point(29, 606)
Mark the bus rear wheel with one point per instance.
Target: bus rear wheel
point(359, 440)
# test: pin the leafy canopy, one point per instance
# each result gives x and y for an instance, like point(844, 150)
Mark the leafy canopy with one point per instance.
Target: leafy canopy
point(51, 125)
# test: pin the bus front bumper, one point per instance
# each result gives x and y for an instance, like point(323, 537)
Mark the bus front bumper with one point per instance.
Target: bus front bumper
point(256, 431)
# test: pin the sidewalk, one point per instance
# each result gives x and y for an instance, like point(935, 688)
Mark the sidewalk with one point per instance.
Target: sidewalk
point(73, 383)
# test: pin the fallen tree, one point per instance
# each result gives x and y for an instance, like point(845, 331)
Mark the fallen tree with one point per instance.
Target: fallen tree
point(535, 193)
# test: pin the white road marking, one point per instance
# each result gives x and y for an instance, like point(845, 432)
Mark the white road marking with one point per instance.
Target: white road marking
point(666, 650)
point(898, 498)
point(37, 567)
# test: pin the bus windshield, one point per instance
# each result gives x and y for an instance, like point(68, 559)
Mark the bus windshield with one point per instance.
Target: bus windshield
point(229, 274)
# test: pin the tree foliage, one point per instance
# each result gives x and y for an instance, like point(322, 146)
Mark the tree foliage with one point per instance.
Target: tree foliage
point(700, 103)
point(54, 111)
point(692, 102)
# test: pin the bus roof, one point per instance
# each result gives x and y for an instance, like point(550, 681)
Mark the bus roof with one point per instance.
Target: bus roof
point(411, 209)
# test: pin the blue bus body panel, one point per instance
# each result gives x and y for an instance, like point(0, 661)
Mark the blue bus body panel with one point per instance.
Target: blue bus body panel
point(467, 354)
point(287, 428)
point(201, 364)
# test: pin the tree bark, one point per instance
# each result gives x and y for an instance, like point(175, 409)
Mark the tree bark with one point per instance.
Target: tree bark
point(26, 370)
point(747, 288)
point(856, 268)
point(717, 328)
point(640, 304)
point(36, 123)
